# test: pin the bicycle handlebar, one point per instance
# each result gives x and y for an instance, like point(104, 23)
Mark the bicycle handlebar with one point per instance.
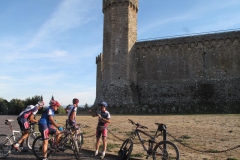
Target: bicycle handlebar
point(137, 124)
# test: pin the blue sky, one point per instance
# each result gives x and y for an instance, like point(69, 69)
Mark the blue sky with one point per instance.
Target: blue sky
point(48, 47)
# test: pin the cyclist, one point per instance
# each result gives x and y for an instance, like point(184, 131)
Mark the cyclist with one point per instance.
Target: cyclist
point(103, 120)
point(72, 111)
point(46, 126)
point(23, 119)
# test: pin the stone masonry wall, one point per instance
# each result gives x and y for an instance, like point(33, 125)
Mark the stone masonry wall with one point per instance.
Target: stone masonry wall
point(195, 71)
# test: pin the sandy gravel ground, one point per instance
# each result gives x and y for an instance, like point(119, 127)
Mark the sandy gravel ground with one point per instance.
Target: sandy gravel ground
point(198, 137)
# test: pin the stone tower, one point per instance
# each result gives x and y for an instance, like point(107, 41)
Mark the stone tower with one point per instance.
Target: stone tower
point(114, 80)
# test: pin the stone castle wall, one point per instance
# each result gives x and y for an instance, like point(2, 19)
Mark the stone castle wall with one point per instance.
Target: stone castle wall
point(199, 70)
point(183, 74)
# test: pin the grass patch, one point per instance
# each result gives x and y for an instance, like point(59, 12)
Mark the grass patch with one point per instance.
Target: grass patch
point(110, 147)
point(137, 155)
point(185, 137)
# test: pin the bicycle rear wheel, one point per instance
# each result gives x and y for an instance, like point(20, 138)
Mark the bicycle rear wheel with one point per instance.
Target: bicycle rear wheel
point(125, 150)
point(166, 150)
point(75, 149)
point(37, 148)
point(5, 146)
point(31, 138)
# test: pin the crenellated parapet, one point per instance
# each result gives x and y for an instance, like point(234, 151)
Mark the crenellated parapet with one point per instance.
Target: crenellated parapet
point(98, 58)
point(107, 3)
point(208, 40)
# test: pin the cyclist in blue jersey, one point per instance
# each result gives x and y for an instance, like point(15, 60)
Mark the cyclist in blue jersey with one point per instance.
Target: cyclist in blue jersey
point(23, 119)
point(72, 112)
point(103, 121)
point(46, 126)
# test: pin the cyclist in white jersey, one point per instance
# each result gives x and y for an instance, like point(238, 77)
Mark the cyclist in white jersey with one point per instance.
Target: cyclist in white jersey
point(24, 118)
point(103, 121)
point(72, 112)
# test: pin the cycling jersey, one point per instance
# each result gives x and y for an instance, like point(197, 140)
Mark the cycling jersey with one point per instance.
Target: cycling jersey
point(72, 110)
point(24, 115)
point(45, 116)
point(105, 115)
point(31, 109)
point(44, 123)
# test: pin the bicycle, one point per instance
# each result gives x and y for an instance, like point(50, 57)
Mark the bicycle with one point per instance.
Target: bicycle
point(6, 142)
point(164, 150)
point(80, 138)
point(69, 138)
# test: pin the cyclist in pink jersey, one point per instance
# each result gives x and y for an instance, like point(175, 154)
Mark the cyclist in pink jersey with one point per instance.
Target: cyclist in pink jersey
point(24, 118)
point(103, 120)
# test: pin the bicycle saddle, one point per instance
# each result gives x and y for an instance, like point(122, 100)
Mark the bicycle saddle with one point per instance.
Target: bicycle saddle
point(161, 126)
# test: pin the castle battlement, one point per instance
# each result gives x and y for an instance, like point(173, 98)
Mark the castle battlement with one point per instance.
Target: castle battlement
point(98, 58)
point(191, 41)
point(108, 3)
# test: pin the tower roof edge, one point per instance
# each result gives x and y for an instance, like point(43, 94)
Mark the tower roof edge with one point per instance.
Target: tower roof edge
point(107, 2)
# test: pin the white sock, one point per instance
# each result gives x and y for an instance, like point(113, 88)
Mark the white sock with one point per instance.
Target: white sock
point(17, 144)
point(96, 152)
point(103, 153)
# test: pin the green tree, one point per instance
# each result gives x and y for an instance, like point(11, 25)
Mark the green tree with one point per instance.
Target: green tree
point(3, 106)
point(33, 101)
point(16, 106)
point(60, 110)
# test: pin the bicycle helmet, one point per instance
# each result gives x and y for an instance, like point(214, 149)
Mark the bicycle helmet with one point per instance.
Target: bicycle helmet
point(75, 101)
point(54, 103)
point(103, 104)
point(40, 104)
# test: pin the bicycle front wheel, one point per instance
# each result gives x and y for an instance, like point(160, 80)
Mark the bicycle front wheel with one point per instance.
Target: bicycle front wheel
point(75, 149)
point(125, 150)
point(80, 141)
point(37, 148)
point(5, 146)
point(31, 138)
point(166, 150)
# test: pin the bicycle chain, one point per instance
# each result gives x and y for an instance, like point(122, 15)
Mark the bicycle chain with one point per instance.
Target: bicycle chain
point(90, 136)
point(203, 151)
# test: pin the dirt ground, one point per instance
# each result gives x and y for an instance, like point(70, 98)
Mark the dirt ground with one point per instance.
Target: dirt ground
point(198, 137)
point(195, 135)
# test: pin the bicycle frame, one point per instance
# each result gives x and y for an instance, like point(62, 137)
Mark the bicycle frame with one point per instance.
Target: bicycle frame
point(14, 132)
point(151, 140)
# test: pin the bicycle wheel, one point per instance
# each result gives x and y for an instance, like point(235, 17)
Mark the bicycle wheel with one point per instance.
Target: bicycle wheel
point(5, 146)
point(80, 141)
point(125, 150)
point(166, 150)
point(37, 148)
point(31, 138)
point(75, 149)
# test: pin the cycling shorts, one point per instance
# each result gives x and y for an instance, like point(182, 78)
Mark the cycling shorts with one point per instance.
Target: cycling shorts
point(101, 130)
point(45, 130)
point(71, 123)
point(23, 123)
